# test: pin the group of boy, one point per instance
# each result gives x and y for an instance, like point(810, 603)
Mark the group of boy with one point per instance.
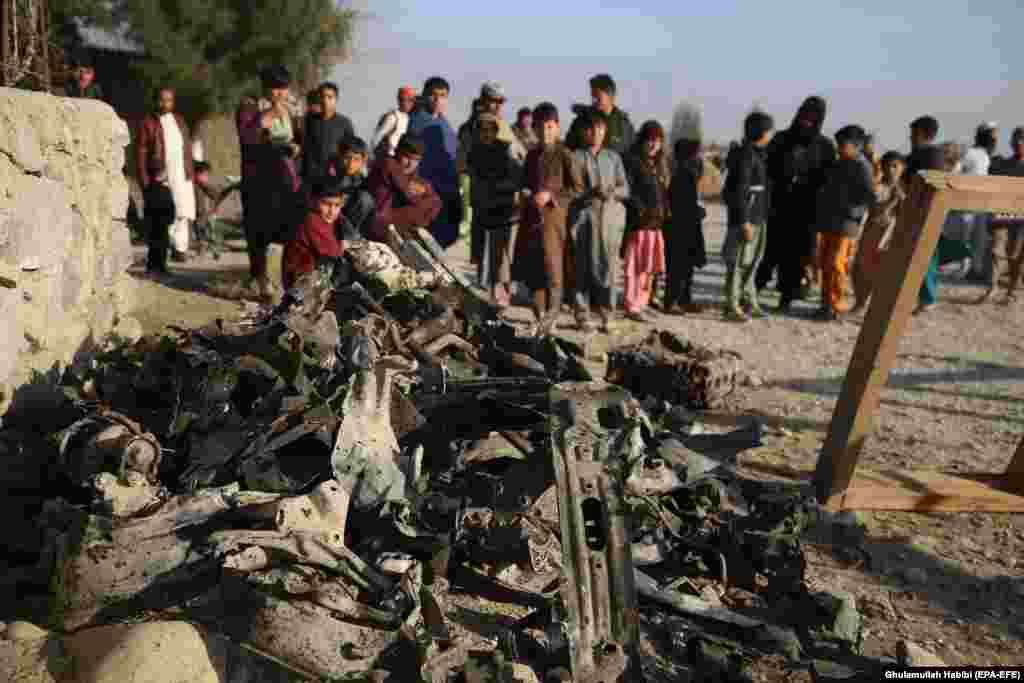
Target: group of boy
point(851, 203)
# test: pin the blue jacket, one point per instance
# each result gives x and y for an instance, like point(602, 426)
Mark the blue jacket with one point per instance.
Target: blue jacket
point(440, 147)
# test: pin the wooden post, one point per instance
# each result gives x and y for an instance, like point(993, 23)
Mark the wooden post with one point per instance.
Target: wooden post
point(5, 40)
point(1015, 471)
point(895, 297)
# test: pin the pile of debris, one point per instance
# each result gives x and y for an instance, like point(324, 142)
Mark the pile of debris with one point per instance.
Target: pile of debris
point(320, 479)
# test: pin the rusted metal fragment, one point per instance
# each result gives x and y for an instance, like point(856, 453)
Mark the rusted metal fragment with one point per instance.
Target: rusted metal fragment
point(676, 371)
point(598, 587)
point(108, 442)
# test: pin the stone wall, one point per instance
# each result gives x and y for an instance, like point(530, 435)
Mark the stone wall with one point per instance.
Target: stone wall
point(64, 245)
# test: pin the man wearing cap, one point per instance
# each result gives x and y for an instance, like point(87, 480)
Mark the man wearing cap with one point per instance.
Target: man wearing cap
point(620, 129)
point(83, 79)
point(429, 122)
point(394, 124)
point(323, 132)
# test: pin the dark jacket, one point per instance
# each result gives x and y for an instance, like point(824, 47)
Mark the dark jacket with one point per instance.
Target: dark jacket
point(924, 158)
point(321, 138)
point(798, 159)
point(648, 205)
point(395, 204)
point(150, 145)
point(747, 186)
point(496, 176)
point(684, 236)
point(620, 130)
point(845, 198)
point(92, 92)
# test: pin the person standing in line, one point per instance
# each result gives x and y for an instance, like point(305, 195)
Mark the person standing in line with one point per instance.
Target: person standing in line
point(270, 184)
point(1007, 230)
point(797, 159)
point(324, 131)
point(394, 124)
point(165, 136)
point(598, 221)
point(844, 200)
point(491, 102)
point(551, 182)
point(747, 199)
point(877, 228)
point(523, 128)
point(430, 124)
point(925, 155)
point(649, 173)
point(496, 176)
point(685, 250)
point(975, 226)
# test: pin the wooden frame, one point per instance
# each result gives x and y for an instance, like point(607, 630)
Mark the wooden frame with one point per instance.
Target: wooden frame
point(913, 244)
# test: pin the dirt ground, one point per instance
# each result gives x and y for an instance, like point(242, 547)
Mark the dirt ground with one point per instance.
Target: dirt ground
point(949, 582)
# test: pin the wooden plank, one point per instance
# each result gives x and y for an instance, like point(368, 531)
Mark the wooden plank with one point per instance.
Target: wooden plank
point(979, 193)
point(921, 491)
point(903, 269)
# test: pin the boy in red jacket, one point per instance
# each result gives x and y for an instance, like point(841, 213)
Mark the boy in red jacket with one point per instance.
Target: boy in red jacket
point(315, 238)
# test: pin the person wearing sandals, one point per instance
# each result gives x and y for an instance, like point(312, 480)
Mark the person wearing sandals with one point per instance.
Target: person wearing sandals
point(746, 197)
point(647, 168)
point(685, 250)
point(496, 176)
point(598, 221)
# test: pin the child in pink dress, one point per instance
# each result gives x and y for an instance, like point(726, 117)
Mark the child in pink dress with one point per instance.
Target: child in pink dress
point(644, 247)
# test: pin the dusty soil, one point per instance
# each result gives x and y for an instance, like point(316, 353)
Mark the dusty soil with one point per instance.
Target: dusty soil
point(949, 582)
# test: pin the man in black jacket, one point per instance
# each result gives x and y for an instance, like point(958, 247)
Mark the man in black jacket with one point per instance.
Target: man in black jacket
point(323, 132)
point(797, 161)
point(603, 92)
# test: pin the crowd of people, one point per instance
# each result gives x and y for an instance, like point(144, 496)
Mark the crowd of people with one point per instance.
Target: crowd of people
point(567, 217)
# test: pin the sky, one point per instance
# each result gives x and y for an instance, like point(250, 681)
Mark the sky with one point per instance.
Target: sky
point(879, 63)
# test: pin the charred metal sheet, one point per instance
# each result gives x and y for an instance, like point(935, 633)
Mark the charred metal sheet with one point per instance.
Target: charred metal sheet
point(599, 585)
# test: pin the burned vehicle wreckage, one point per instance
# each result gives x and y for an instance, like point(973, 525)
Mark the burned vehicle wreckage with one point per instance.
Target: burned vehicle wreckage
point(321, 480)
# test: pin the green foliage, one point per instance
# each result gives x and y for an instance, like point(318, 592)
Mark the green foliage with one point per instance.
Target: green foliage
point(211, 50)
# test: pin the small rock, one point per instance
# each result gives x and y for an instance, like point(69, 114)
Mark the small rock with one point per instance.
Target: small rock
point(912, 654)
point(24, 630)
point(915, 575)
point(753, 380)
point(878, 607)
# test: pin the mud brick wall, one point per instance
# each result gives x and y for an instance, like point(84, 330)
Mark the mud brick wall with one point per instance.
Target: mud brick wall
point(64, 244)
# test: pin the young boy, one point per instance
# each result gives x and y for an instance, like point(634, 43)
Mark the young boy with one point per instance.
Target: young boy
point(847, 195)
point(323, 131)
point(349, 166)
point(551, 181)
point(877, 228)
point(746, 196)
point(925, 155)
point(599, 224)
point(208, 198)
point(315, 238)
point(496, 176)
point(401, 197)
point(159, 212)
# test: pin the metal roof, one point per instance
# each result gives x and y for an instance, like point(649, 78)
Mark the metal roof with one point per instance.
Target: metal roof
point(112, 40)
